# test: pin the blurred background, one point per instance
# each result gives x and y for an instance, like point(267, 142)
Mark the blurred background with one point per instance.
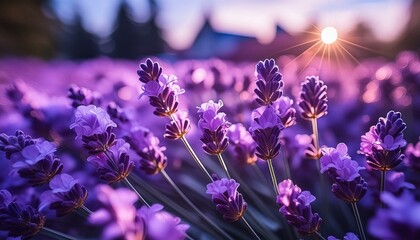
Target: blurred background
point(236, 30)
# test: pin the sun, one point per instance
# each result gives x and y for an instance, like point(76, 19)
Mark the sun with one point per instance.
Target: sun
point(329, 35)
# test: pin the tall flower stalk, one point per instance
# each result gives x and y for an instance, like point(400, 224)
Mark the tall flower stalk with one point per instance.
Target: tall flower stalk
point(383, 144)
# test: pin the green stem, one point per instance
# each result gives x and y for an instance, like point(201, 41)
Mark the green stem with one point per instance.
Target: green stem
point(191, 204)
point(83, 211)
point(319, 235)
point(316, 141)
point(194, 156)
point(50, 233)
point(273, 176)
point(222, 162)
point(358, 220)
point(128, 183)
point(383, 176)
point(286, 165)
point(250, 228)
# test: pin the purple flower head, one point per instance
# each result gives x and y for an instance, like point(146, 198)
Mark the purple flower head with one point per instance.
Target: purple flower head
point(19, 220)
point(339, 164)
point(161, 225)
point(214, 127)
point(41, 172)
point(313, 98)
point(90, 120)
point(399, 220)
point(14, 144)
point(178, 127)
point(33, 153)
point(146, 145)
point(243, 143)
point(154, 88)
point(116, 112)
point(395, 182)
point(66, 195)
point(295, 206)
point(115, 164)
point(149, 71)
point(350, 191)
point(118, 214)
point(265, 117)
point(285, 111)
point(384, 160)
point(5, 198)
point(369, 141)
point(412, 156)
point(348, 236)
point(224, 193)
point(268, 83)
point(210, 118)
point(83, 96)
point(390, 131)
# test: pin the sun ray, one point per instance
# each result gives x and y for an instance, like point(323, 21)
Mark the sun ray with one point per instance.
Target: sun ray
point(322, 58)
point(351, 55)
point(360, 46)
point(312, 58)
point(298, 45)
point(300, 55)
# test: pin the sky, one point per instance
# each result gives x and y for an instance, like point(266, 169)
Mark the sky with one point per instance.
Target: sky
point(181, 20)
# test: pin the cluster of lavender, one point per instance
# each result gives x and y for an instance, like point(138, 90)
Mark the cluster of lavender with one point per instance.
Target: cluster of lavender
point(100, 170)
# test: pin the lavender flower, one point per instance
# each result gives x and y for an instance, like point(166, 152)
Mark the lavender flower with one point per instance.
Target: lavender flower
point(265, 130)
point(285, 111)
point(244, 145)
point(412, 156)
point(295, 206)
point(400, 220)
point(116, 112)
point(19, 220)
point(14, 144)
point(313, 98)
point(229, 202)
point(114, 164)
point(161, 89)
point(214, 127)
point(42, 171)
point(118, 214)
point(161, 225)
point(178, 127)
point(348, 185)
point(66, 195)
point(268, 82)
point(348, 236)
point(146, 145)
point(83, 96)
point(91, 120)
point(383, 143)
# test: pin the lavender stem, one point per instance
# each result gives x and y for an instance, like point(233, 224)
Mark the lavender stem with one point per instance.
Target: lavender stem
point(382, 187)
point(222, 162)
point(319, 235)
point(194, 156)
point(273, 176)
point(250, 228)
point(48, 232)
point(83, 211)
point(286, 165)
point(191, 204)
point(358, 220)
point(128, 183)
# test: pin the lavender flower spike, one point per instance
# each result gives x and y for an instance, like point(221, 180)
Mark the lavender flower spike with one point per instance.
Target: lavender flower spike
point(286, 112)
point(229, 202)
point(178, 127)
point(214, 127)
point(295, 206)
point(313, 98)
point(269, 82)
point(243, 143)
point(412, 154)
point(66, 195)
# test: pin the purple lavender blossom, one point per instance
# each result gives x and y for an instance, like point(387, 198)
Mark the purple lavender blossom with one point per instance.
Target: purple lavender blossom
point(65, 196)
point(412, 156)
point(118, 214)
point(399, 220)
point(116, 112)
point(265, 130)
point(295, 206)
point(395, 182)
point(17, 219)
point(161, 89)
point(146, 145)
point(114, 164)
point(348, 236)
point(40, 172)
point(229, 202)
point(383, 144)
point(91, 120)
point(14, 144)
point(348, 185)
point(285, 111)
point(178, 127)
point(269, 82)
point(83, 96)
point(214, 126)
point(244, 145)
point(161, 225)
point(313, 98)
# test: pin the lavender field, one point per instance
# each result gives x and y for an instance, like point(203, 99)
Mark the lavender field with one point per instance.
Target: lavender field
point(210, 149)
